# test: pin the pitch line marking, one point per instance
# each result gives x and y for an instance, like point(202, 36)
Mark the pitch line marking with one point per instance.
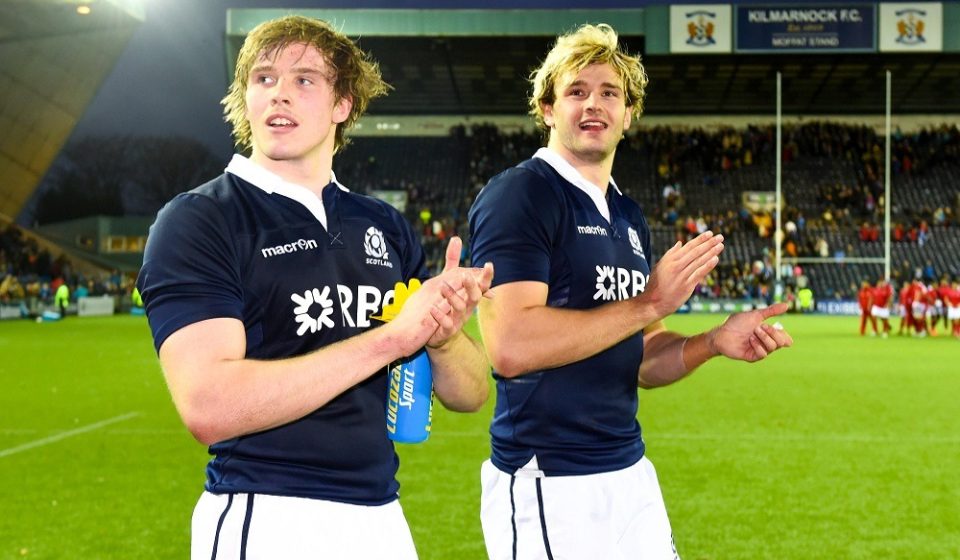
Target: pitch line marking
point(68, 433)
point(117, 431)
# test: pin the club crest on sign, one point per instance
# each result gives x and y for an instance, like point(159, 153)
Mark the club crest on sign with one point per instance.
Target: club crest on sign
point(700, 28)
point(910, 25)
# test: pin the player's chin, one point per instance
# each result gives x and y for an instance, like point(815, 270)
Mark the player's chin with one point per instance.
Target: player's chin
point(278, 149)
point(595, 151)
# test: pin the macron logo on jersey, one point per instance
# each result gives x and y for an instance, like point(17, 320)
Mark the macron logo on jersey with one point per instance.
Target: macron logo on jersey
point(298, 245)
point(615, 283)
point(592, 230)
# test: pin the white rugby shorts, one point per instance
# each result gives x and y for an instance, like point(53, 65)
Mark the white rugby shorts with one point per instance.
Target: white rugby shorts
point(264, 527)
point(880, 312)
point(953, 313)
point(919, 309)
point(616, 515)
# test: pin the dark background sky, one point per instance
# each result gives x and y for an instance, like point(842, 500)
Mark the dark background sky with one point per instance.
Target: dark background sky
point(173, 73)
point(171, 77)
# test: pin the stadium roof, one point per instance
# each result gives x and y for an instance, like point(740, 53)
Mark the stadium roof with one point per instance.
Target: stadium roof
point(52, 61)
point(487, 75)
point(475, 62)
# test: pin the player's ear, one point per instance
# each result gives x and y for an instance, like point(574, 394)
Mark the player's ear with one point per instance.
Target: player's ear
point(342, 108)
point(547, 109)
point(627, 118)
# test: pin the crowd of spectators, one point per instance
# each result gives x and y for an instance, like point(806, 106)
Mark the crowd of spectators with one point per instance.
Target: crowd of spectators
point(675, 173)
point(853, 204)
point(859, 148)
point(666, 158)
point(30, 275)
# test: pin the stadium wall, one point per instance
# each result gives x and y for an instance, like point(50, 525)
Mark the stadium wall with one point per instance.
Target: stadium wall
point(440, 125)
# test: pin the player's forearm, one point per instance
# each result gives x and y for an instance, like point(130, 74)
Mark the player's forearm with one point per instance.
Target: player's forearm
point(223, 398)
point(668, 357)
point(460, 373)
point(542, 337)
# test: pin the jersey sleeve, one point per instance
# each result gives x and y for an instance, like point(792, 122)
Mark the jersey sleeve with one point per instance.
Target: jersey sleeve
point(190, 269)
point(513, 224)
point(647, 241)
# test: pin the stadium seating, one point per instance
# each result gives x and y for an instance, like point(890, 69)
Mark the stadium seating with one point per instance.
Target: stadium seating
point(828, 171)
point(687, 179)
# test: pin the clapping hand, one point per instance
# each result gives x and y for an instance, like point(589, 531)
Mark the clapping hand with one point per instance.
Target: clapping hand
point(745, 336)
point(438, 310)
point(679, 271)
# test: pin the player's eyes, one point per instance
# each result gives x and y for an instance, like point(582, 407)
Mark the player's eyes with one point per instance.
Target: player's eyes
point(263, 79)
point(304, 81)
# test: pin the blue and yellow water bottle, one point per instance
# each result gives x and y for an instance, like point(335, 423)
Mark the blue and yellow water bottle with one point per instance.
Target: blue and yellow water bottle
point(409, 383)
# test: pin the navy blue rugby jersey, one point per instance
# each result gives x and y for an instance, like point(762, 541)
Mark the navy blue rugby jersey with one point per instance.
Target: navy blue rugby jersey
point(541, 221)
point(301, 273)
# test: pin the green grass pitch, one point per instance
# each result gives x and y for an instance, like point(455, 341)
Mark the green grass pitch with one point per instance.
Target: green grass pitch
point(841, 447)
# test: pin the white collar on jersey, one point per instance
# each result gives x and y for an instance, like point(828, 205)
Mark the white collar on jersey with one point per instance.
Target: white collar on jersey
point(574, 177)
point(272, 183)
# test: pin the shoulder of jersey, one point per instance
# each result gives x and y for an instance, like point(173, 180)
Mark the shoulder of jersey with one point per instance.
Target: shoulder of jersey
point(522, 178)
point(371, 203)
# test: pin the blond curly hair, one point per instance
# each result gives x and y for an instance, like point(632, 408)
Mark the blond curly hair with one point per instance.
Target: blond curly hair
point(354, 76)
point(589, 44)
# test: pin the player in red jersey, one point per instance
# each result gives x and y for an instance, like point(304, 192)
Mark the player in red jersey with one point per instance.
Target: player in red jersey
point(865, 296)
point(882, 296)
point(906, 304)
point(952, 300)
point(942, 290)
point(918, 293)
point(931, 295)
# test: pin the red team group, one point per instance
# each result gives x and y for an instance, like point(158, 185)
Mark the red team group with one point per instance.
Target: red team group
point(921, 307)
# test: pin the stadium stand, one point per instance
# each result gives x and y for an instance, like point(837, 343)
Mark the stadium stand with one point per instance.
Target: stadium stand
point(32, 267)
point(44, 44)
point(688, 177)
point(689, 180)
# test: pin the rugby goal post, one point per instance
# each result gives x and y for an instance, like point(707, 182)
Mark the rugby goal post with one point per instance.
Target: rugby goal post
point(779, 259)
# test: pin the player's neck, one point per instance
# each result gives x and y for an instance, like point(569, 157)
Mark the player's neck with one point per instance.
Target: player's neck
point(312, 173)
point(596, 171)
point(596, 174)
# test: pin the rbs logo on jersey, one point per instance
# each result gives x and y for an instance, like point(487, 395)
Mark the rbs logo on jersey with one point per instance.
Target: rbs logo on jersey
point(313, 309)
point(615, 283)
